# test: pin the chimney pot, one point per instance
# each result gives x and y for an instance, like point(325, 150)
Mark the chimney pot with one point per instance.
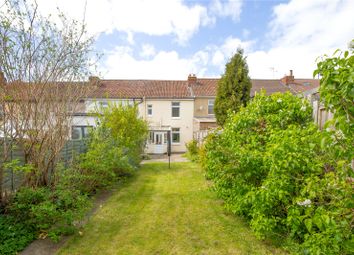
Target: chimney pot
point(192, 79)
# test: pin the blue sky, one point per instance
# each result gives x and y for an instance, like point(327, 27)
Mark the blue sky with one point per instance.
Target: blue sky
point(168, 39)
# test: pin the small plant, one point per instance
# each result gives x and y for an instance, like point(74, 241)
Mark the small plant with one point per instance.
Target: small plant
point(15, 235)
point(51, 212)
point(192, 150)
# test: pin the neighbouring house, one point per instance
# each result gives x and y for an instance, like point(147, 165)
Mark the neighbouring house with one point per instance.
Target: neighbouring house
point(183, 107)
point(165, 105)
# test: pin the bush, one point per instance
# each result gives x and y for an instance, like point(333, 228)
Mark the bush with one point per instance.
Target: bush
point(49, 212)
point(192, 150)
point(270, 164)
point(15, 235)
point(114, 149)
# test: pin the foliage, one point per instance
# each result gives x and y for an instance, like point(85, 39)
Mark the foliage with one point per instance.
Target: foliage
point(270, 165)
point(15, 235)
point(192, 150)
point(40, 212)
point(114, 149)
point(233, 88)
point(337, 93)
point(50, 212)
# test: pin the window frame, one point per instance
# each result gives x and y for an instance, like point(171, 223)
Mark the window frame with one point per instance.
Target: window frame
point(176, 107)
point(103, 104)
point(213, 105)
point(176, 131)
point(149, 107)
point(84, 131)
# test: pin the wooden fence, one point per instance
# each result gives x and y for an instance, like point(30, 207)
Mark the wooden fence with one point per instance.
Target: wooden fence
point(200, 135)
point(12, 180)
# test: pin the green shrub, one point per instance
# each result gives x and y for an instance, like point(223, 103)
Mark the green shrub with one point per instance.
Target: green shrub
point(192, 150)
point(15, 235)
point(114, 149)
point(271, 165)
point(53, 212)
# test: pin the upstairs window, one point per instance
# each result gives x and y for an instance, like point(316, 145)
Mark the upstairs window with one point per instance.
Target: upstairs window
point(211, 106)
point(149, 109)
point(175, 109)
point(176, 135)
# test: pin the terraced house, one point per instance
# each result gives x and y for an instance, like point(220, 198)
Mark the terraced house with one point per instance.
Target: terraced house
point(183, 107)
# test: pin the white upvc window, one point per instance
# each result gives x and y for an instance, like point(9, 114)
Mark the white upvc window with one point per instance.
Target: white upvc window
point(80, 132)
point(149, 109)
point(175, 109)
point(176, 135)
point(211, 106)
point(103, 104)
point(151, 137)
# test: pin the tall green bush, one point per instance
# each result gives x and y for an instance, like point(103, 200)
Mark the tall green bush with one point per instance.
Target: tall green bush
point(270, 165)
point(114, 149)
point(233, 88)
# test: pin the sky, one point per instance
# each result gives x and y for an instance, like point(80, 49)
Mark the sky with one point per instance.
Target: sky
point(169, 39)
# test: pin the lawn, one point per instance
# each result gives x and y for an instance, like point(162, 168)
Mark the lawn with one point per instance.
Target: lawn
point(166, 211)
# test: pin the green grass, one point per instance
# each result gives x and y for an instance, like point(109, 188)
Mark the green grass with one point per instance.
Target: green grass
point(166, 211)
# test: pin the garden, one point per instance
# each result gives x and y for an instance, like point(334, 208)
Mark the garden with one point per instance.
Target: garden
point(291, 181)
point(113, 154)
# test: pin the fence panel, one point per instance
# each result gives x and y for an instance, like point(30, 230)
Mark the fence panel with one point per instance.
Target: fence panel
point(12, 180)
point(200, 135)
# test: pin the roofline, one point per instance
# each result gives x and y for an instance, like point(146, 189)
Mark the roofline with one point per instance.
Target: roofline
point(133, 98)
point(123, 98)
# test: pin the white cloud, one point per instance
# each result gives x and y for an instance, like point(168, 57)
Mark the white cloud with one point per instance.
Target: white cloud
point(301, 31)
point(298, 33)
point(147, 50)
point(222, 53)
point(227, 8)
point(155, 17)
point(218, 58)
point(121, 64)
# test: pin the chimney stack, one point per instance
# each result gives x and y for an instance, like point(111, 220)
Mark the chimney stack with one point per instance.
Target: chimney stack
point(192, 79)
point(94, 80)
point(288, 79)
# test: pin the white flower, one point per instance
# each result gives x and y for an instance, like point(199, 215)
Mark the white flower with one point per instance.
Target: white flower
point(279, 100)
point(306, 203)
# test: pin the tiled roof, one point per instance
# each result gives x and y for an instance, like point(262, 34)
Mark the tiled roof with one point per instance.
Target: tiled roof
point(207, 87)
point(141, 88)
point(204, 87)
point(302, 85)
point(270, 86)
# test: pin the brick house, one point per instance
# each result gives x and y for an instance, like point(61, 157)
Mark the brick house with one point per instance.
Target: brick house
point(184, 107)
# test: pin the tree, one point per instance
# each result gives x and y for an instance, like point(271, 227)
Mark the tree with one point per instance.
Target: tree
point(233, 88)
point(43, 65)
